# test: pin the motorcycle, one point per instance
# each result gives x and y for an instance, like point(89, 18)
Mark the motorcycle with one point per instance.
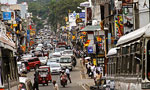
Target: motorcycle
point(63, 80)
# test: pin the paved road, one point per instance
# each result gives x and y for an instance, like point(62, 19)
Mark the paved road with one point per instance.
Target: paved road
point(75, 76)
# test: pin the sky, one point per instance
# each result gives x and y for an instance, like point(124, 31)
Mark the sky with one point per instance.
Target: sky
point(8, 1)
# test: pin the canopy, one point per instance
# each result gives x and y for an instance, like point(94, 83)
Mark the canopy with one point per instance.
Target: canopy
point(85, 4)
point(91, 28)
point(6, 42)
point(87, 58)
point(135, 35)
point(112, 51)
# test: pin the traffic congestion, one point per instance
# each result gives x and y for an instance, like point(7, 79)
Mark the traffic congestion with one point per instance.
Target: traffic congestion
point(47, 58)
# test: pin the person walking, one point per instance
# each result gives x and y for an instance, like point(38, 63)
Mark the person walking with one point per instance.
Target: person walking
point(68, 74)
point(35, 85)
point(55, 85)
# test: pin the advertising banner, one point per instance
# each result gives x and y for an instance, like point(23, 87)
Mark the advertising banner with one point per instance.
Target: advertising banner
point(109, 38)
point(6, 15)
point(28, 35)
point(118, 26)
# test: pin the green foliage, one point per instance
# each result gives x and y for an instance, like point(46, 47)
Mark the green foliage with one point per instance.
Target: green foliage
point(60, 9)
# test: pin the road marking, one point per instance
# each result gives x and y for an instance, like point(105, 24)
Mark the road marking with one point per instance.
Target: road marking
point(84, 87)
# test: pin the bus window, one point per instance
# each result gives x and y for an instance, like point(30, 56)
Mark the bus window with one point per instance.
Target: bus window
point(148, 60)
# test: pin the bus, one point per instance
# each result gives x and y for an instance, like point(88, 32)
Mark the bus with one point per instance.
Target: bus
point(129, 62)
point(8, 64)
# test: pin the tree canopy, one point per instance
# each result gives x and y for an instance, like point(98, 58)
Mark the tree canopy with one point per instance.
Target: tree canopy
point(54, 11)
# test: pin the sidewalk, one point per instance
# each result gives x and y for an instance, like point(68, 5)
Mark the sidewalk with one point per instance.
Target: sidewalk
point(87, 81)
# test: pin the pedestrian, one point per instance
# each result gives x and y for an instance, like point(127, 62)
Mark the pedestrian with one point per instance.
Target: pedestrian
point(35, 85)
point(98, 78)
point(68, 74)
point(92, 70)
point(55, 85)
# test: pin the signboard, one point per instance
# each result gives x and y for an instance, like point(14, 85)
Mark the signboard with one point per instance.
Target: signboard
point(94, 61)
point(28, 35)
point(109, 38)
point(82, 15)
point(127, 3)
point(90, 49)
point(118, 26)
point(78, 20)
point(6, 15)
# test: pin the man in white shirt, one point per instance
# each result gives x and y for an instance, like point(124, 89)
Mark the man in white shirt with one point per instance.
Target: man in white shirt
point(68, 74)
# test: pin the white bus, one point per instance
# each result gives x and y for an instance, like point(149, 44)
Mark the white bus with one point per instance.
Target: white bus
point(129, 62)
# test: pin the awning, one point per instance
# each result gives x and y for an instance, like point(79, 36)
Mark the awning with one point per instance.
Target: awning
point(85, 4)
point(91, 28)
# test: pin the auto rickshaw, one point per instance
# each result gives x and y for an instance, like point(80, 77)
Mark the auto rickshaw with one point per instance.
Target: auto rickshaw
point(43, 76)
point(49, 73)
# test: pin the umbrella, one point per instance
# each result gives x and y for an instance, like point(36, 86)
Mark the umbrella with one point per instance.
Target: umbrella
point(87, 58)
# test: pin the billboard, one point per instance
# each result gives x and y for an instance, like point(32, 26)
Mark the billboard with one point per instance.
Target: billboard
point(6, 15)
point(127, 3)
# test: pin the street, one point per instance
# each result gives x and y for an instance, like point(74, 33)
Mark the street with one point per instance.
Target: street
point(75, 76)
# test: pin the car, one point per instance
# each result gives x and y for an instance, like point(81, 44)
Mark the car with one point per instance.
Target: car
point(43, 60)
point(38, 48)
point(25, 84)
point(53, 60)
point(55, 68)
point(33, 62)
point(66, 61)
point(68, 52)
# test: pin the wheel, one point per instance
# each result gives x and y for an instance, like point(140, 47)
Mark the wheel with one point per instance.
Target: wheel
point(43, 84)
point(47, 84)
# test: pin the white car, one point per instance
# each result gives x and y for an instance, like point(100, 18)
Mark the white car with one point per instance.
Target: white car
point(52, 60)
point(55, 68)
point(68, 52)
point(25, 84)
point(43, 60)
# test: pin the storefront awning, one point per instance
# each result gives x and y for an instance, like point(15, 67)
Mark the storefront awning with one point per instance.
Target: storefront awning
point(91, 28)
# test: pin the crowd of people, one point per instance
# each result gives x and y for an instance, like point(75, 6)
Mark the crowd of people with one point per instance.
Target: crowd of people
point(93, 71)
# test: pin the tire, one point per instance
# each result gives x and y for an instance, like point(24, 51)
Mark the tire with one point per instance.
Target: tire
point(43, 84)
point(47, 84)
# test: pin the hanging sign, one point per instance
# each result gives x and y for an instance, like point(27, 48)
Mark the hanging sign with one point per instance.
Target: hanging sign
point(6, 15)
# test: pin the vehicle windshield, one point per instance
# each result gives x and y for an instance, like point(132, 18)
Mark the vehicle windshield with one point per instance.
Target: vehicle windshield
point(68, 52)
point(57, 50)
point(65, 60)
point(54, 65)
point(42, 58)
point(53, 60)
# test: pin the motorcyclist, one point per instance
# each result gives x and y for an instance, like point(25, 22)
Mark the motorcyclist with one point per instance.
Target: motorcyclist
point(63, 78)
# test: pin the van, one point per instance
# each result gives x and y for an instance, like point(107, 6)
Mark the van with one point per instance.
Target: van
point(25, 84)
point(66, 61)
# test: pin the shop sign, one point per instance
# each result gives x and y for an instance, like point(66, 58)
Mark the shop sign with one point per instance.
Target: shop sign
point(82, 15)
point(127, 3)
point(78, 20)
point(6, 15)
point(90, 49)
point(94, 61)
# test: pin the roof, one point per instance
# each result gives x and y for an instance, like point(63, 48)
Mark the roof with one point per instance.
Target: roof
point(135, 35)
point(23, 79)
point(91, 28)
point(44, 67)
point(6, 42)
point(112, 51)
point(66, 56)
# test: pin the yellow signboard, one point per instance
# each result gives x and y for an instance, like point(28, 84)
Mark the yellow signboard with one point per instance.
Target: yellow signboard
point(94, 61)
